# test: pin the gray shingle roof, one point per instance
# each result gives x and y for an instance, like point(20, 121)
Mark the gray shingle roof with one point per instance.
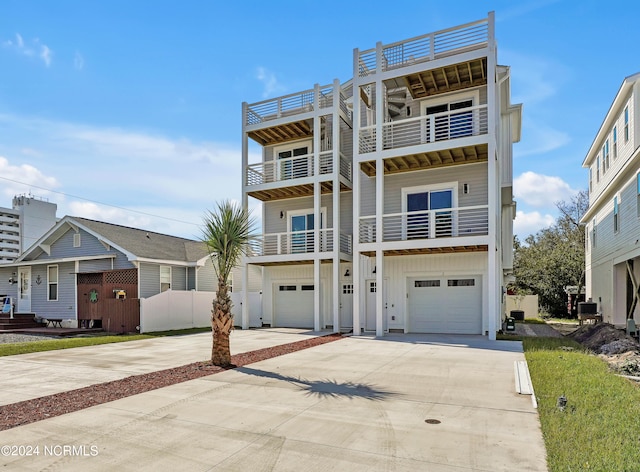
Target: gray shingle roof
point(147, 244)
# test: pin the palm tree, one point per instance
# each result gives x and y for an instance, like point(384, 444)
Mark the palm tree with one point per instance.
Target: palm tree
point(226, 234)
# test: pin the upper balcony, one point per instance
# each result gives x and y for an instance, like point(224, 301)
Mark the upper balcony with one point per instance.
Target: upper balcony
point(427, 48)
point(297, 246)
point(288, 118)
point(449, 125)
point(461, 229)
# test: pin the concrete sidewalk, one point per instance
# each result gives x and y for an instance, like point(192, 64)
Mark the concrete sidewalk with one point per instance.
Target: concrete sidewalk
point(404, 403)
point(28, 376)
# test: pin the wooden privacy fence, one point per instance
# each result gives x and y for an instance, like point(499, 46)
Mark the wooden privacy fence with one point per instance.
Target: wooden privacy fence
point(121, 315)
point(109, 300)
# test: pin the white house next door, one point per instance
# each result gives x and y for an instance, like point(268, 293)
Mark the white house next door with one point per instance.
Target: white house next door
point(24, 289)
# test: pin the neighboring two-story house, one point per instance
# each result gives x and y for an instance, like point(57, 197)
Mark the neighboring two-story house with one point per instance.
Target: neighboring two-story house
point(387, 200)
point(612, 221)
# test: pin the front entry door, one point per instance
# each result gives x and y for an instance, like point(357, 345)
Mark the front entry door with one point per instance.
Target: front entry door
point(370, 319)
point(24, 289)
point(346, 306)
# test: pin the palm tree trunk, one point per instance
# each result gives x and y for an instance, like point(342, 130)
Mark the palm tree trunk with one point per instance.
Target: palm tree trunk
point(221, 326)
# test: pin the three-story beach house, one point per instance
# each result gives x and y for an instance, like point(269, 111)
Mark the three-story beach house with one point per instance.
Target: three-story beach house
point(387, 199)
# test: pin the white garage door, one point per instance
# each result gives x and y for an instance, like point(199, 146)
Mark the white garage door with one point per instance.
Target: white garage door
point(445, 305)
point(293, 305)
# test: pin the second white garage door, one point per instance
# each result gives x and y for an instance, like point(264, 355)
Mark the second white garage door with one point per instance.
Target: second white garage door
point(293, 305)
point(451, 305)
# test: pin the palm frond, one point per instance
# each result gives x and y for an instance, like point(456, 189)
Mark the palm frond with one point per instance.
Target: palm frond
point(227, 232)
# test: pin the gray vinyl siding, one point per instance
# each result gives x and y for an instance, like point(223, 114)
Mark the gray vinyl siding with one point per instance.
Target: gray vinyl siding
point(6, 288)
point(99, 265)
point(416, 105)
point(178, 278)
point(207, 281)
point(89, 246)
point(65, 306)
point(149, 280)
point(608, 243)
point(274, 224)
point(473, 174)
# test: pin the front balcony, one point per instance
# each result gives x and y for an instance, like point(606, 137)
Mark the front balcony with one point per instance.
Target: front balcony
point(287, 118)
point(292, 168)
point(293, 176)
point(299, 244)
point(432, 230)
point(427, 129)
point(428, 47)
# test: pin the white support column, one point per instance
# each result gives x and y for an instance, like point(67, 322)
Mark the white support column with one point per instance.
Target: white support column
point(379, 240)
point(316, 295)
point(494, 267)
point(245, 205)
point(317, 218)
point(335, 140)
point(245, 294)
point(358, 282)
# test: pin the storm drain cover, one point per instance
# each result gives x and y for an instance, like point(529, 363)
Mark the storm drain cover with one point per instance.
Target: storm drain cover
point(432, 421)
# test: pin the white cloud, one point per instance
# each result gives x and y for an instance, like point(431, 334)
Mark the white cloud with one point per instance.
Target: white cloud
point(540, 190)
point(270, 82)
point(20, 179)
point(539, 139)
point(174, 178)
point(530, 223)
point(45, 54)
point(35, 47)
point(78, 61)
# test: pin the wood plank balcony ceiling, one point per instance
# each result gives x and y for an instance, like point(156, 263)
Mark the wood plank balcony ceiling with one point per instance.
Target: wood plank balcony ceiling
point(447, 79)
point(429, 160)
point(282, 133)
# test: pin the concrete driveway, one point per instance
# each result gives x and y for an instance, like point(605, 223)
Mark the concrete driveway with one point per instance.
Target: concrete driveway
point(403, 402)
point(29, 376)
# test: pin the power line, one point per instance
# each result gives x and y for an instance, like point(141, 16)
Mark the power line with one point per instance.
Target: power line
point(100, 203)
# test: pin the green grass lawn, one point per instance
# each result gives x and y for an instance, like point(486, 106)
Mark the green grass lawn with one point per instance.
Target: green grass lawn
point(11, 349)
point(600, 427)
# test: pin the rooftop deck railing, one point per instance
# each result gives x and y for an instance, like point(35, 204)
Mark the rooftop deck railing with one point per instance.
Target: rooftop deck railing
point(427, 224)
point(298, 242)
point(472, 121)
point(291, 105)
point(426, 47)
point(292, 168)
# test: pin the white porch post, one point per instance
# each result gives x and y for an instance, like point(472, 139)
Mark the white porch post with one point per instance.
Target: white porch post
point(495, 278)
point(245, 206)
point(317, 189)
point(358, 283)
point(245, 294)
point(335, 117)
point(379, 102)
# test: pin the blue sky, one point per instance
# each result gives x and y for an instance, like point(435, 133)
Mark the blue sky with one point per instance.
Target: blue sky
point(129, 112)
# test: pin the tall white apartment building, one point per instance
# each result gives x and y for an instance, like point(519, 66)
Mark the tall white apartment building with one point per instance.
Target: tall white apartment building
point(23, 224)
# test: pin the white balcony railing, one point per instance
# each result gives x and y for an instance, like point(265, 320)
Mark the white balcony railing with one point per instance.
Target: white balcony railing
point(290, 105)
point(428, 224)
point(297, 242)
point(449, 125)
point(425, 48)
point(296, 167)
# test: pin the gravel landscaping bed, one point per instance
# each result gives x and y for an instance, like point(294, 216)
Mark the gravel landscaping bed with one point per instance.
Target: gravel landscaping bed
point(30, 411)
point(8, 338)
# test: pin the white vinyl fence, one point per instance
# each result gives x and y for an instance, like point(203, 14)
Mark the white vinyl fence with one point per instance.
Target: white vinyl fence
point(526, 303)
point(177, 309)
